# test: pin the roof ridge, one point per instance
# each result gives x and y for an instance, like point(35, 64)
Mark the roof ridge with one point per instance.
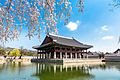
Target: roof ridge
point(60, 36)
point(77, 41)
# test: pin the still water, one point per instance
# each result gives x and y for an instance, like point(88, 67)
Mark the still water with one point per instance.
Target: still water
point(38, 71)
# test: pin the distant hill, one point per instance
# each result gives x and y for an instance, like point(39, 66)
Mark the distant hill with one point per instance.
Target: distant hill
point(26, 52)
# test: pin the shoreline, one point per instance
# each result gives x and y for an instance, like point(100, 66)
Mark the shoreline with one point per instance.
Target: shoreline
point(24, 59)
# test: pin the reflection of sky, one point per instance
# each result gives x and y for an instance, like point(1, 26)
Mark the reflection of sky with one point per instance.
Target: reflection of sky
point(107, 74)
point(88, 72)
point(98, 26)
point(19, 71)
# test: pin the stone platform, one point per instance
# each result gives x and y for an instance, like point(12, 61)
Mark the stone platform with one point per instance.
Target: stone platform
point(68, 60)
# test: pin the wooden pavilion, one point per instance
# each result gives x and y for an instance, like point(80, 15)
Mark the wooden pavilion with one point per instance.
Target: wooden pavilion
point(59, 47)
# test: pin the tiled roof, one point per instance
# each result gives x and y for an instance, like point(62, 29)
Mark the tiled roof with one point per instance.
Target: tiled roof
point(65, 41)
point(68, 41)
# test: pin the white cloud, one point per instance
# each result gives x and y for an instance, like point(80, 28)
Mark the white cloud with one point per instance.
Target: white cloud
point(73, 25)
point(104, 28)
point(107, 37)
point(77, 21)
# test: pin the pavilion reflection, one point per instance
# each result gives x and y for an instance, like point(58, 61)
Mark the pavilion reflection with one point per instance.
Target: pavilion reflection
point(64, 72)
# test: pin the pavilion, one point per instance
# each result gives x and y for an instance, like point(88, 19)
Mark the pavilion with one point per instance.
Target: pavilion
point(55, 47)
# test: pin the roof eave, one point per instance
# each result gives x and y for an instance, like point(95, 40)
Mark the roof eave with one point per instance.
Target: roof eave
point(84, 47)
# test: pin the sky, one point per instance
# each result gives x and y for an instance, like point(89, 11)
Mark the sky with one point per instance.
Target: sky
point(99, 26)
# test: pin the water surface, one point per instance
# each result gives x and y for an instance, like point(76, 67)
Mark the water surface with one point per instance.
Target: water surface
point(39, 71)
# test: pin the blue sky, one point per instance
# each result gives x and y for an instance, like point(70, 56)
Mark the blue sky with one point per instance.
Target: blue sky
point(97, 26)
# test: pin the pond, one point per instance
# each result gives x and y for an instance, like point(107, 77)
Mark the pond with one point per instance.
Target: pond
point(39, 71)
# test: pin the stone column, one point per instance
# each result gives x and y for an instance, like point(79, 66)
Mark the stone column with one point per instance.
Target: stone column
point(80, 55)
point(71, 55)
point(37, 54)
point(75, 55)
point(47, 55)
point(44, 56)
point(41, 56)
point(66, 55)
point(60, 55)
point(86, 54)
point(54, 55)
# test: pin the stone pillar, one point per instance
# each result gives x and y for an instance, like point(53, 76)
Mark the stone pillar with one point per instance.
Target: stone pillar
point(86, 54)
point(47, 55)
point(60, 55)
point(66, 55)
point(54, 55)
point(80, 55)
point(71, 55)
point(41, 56)
point(37, 54)
point(44, 56)
point(75, 55)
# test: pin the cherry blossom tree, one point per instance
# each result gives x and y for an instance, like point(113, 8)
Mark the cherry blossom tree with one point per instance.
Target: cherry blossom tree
point(116, 3)
point(32, 14)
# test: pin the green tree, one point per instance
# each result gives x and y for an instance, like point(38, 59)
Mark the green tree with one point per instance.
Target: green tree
point(14, 53)
point(2, 51)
